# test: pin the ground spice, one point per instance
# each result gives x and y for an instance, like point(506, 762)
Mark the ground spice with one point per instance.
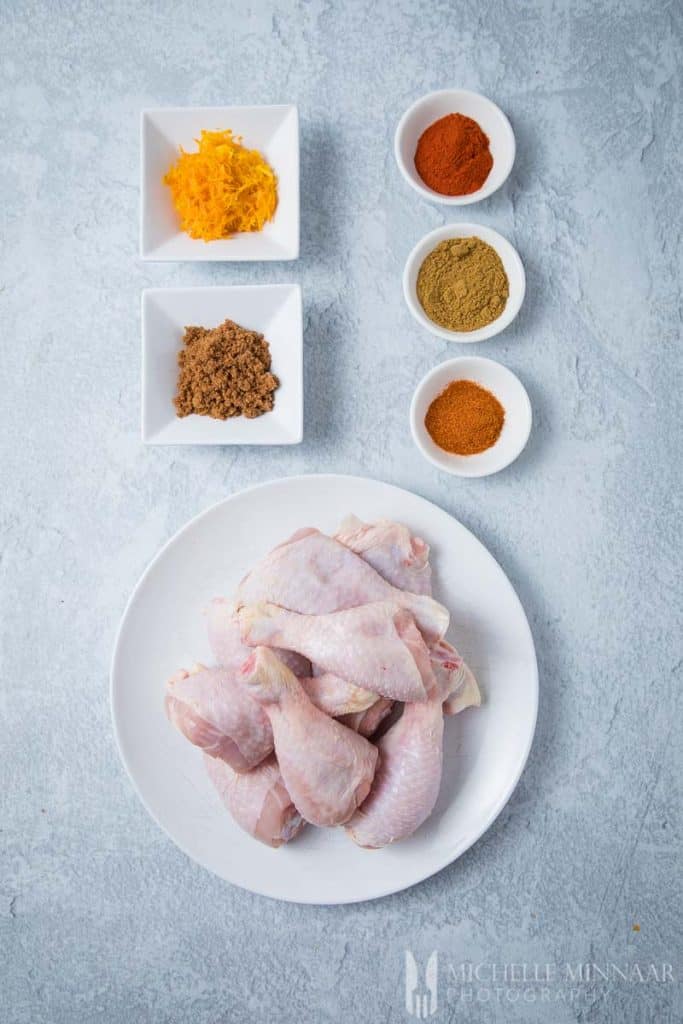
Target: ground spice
point(224, 372)
point(465, 418)
point(462, 284)
point(453, 156)
point(223, 188)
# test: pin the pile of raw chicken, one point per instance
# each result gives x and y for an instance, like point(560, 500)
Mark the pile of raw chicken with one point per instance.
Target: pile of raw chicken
point(332, 678)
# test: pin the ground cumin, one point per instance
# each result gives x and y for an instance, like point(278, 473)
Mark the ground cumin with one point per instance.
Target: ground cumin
point(465, 418)
point(462, 284)
point(224, 372)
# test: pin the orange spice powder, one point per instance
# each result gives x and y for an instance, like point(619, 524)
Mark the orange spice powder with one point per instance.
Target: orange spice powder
point(453, 156)
point(465, 418)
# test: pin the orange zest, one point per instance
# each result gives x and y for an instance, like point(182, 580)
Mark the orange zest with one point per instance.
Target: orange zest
point(223, 188)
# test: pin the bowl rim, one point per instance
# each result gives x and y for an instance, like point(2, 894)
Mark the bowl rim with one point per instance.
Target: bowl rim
point(463, 229)
point(457, 469)
point(473, 197)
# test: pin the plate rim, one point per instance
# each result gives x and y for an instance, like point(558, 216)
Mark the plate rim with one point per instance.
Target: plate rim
point(454, 852)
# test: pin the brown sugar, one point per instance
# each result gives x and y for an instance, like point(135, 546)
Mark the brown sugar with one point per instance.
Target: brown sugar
point(224, 372)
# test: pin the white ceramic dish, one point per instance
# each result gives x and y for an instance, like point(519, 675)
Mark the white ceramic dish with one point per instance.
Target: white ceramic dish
point(509, 391)
point(272, 309)
point(436, 105)
point(514, 269)
point(274, 130)
point(163, 628)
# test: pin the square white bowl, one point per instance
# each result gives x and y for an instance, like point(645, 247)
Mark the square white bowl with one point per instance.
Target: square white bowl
point(273, 130)
point(272, 309)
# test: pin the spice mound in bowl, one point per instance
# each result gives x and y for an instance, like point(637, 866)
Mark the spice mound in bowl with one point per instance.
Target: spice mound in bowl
point(453, 156)
point(470, 416)
point(462, 284)
point(224, 372)
point(222, 189)
point(454, 147)
point(465, 418)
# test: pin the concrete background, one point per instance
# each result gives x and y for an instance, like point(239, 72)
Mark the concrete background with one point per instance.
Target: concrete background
point(102, 918)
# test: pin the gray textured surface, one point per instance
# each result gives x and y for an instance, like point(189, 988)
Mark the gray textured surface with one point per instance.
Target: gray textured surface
point(101, 917)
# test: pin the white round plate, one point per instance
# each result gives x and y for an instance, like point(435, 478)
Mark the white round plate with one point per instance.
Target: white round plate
point(163, 629)
point(509, 391)
point(514, 268)
point(431, 108)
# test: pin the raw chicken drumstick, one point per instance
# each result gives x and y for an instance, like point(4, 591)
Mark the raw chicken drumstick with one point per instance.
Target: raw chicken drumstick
point(327, 768)
point(213, 709)
point(314, 574)
point(403, 560)
point(408, 776)
point(229, 651)
point(218, 714)
point(199, 713)
point(331, 694)
point(453, 675)
point(258, 800)
point(391, 549)
point(376, 646)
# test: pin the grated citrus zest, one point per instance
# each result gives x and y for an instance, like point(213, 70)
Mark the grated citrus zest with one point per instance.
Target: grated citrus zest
point(223, 188)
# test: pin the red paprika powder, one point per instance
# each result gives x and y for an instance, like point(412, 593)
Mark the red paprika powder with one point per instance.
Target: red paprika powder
point(453, 156)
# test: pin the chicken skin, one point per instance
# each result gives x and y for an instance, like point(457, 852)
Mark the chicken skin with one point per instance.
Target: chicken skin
point(326, 768)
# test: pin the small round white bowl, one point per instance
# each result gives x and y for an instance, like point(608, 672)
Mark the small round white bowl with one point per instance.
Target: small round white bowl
point(511, 262)
point(455, 101)
point(509, 391)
